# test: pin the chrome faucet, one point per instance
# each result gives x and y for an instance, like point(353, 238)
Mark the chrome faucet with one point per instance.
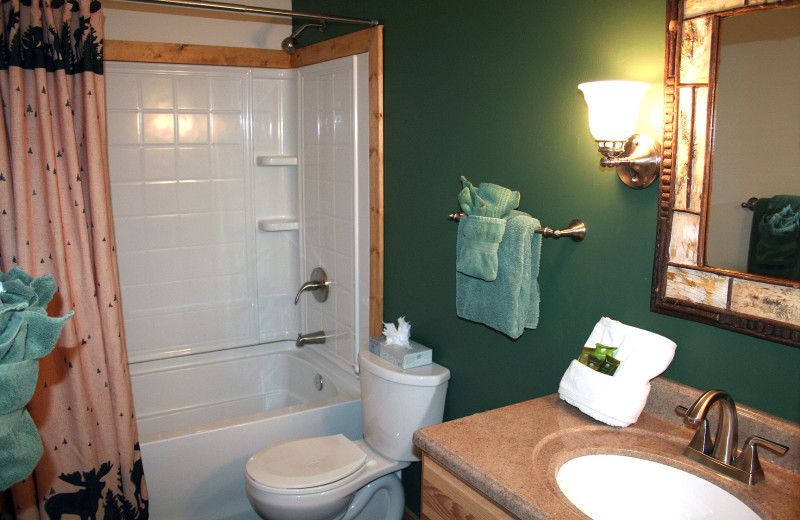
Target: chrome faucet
point(319, 284)
point(725, 440)
point(720, 454)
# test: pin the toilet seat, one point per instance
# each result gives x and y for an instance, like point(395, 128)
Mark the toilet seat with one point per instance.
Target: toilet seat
point(306, 465)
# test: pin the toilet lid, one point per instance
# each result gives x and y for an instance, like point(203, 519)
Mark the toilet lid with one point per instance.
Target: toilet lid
point(307, 462)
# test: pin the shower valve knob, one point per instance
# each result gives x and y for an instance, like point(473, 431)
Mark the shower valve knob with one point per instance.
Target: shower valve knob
point(319, 283)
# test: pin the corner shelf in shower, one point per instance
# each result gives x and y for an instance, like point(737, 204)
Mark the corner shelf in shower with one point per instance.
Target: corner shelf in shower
point(276, 160)
point(278, 224)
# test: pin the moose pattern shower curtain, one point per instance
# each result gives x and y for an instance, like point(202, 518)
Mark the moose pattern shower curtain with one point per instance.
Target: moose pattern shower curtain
point(55, 218)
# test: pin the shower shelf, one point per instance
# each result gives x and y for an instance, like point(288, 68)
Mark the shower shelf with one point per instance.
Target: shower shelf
point(278, 224)
point(276, 160)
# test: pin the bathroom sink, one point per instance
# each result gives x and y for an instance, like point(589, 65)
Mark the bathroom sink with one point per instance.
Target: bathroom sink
point(616, 487)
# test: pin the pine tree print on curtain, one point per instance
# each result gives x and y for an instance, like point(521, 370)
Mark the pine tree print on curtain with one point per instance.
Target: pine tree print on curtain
point(55, 217)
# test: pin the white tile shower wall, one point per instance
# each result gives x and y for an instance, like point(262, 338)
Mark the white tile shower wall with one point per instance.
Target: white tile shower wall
point(275, 134)
point(185, 205)
point(334, 200)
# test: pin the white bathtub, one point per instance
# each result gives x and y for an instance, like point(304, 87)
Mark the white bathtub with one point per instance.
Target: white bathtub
point(201, 417)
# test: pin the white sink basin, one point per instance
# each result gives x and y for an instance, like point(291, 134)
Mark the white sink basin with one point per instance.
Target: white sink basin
point(615, 487)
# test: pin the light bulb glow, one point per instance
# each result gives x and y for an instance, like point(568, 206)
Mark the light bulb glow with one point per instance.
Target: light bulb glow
point(613, 108)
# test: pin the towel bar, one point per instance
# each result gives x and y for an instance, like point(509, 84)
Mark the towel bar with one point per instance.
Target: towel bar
point(751, 203)
point(576, 230)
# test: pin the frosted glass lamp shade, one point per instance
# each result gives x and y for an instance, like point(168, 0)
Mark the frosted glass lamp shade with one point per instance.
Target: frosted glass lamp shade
point(613, 108)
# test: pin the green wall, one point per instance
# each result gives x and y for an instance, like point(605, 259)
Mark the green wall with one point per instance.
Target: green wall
point(489, 91)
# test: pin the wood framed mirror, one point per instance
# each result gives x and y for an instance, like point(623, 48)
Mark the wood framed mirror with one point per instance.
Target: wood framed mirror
point(684, 284)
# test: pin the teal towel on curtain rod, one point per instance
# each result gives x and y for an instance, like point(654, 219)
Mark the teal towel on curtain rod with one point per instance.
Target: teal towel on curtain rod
point(27, 333)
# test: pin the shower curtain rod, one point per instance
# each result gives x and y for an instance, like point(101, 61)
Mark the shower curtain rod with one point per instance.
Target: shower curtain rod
point(237, 8)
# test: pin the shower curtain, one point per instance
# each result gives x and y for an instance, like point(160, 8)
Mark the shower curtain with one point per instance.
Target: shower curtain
point(55, 217)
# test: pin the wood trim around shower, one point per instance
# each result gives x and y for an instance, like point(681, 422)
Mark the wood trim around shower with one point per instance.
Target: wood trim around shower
point(367, 40)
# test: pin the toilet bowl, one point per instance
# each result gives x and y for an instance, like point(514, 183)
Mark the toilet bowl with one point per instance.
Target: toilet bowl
point(334, 478)
point(343, 478)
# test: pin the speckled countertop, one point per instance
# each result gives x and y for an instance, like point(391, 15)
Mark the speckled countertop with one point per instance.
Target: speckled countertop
point(513, 454)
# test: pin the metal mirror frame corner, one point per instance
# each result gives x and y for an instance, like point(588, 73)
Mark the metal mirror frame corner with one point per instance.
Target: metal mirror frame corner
point(683, 286)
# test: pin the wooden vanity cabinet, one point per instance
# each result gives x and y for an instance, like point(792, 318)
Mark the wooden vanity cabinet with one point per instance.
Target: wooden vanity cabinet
point(445, 496)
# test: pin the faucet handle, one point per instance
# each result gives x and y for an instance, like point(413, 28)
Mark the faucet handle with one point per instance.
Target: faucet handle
point(319, 283)
point(748, 458)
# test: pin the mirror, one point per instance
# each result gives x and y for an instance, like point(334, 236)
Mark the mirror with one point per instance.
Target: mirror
point(756, 152)
point(685, 284)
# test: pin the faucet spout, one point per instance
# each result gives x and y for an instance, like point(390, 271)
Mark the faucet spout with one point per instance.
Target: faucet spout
point(724, 448)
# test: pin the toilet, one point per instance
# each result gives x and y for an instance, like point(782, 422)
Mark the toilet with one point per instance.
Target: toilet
point(334, 478)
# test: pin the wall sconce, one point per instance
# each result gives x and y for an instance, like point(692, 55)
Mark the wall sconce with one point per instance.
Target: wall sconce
point(613, 114)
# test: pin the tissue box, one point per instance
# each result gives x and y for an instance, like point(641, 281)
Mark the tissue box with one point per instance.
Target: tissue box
point(399, 355)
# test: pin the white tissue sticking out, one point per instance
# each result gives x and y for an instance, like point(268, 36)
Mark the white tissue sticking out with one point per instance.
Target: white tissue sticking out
point(398, 335)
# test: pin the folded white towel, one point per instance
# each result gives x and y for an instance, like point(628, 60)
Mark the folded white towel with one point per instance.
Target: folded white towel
point(610, 400)
point(618, 400)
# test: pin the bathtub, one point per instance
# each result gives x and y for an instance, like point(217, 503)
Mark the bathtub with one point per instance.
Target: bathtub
point(201, 417)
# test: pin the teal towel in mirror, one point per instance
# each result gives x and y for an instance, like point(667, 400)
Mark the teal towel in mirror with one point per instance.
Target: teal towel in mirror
point(775, 238)
point(486, 209)
point(510, 303)
point(27, 333)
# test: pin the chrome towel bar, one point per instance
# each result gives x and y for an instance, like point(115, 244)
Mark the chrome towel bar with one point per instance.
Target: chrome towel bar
point(751, 203)
point(576, 229)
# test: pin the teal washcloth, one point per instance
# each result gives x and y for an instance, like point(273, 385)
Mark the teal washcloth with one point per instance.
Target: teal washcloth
point(510, 303)
point(481, 229)
point(487, 200)
point(27, 333)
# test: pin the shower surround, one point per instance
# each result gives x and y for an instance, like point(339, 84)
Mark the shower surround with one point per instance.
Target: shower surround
point(217, 227)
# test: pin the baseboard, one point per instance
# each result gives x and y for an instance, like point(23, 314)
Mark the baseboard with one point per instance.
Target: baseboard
point(409, 515)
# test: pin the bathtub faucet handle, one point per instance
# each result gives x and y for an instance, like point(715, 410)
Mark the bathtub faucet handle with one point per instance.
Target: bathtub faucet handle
point(319, 284)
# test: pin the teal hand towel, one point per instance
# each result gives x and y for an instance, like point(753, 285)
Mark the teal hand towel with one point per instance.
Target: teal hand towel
point(510, 303)
point(27, 333)
point(19, 441)
point(481, 229)
point(21, 447)
point(479, 241)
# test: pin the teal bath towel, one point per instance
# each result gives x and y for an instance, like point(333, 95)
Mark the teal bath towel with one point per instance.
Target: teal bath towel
point(486, 209)
point(510, 303)
point(27, 333)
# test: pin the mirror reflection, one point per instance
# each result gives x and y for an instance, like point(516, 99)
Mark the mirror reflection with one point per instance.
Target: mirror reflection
point(756, 147)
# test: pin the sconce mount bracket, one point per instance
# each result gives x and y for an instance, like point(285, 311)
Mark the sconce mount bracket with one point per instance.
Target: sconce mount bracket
point(639, 163)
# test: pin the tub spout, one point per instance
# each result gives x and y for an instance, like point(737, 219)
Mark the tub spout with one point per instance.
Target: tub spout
point(311, 337)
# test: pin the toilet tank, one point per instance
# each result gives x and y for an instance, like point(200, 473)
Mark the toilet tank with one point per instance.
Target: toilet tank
point(395, 403)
